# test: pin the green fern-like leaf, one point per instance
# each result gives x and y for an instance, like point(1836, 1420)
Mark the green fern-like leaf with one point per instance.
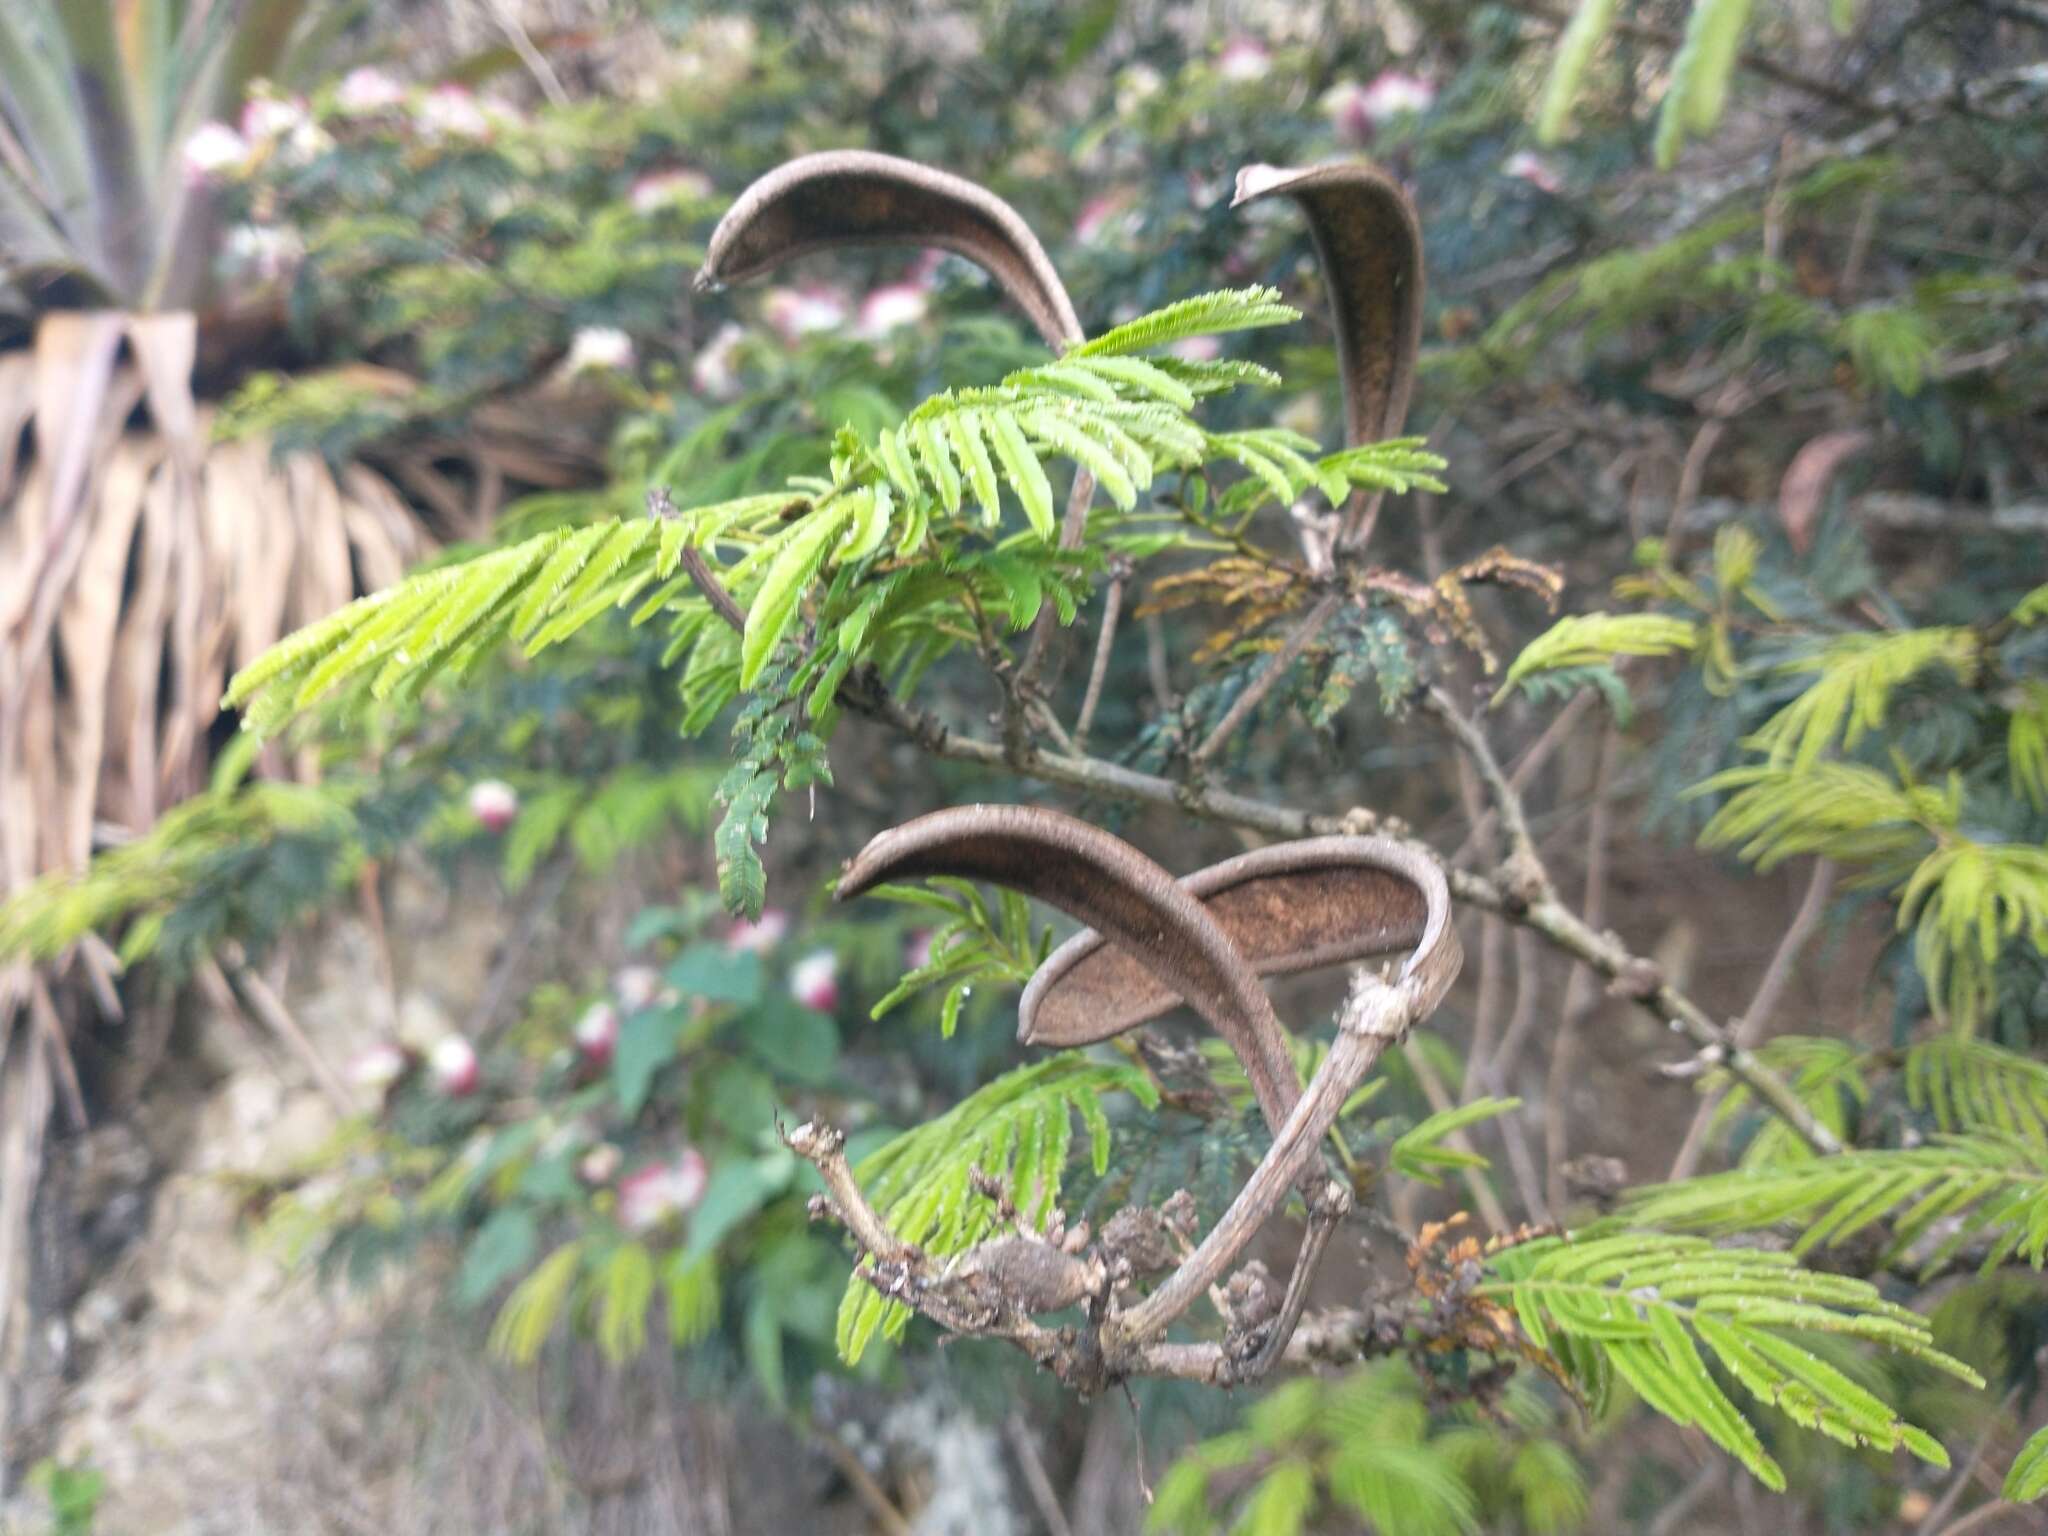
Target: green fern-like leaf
point(1589, 25)
point(1965, 903)
point(1857, 676)
point(1589, 639)
point(1699, 74)
point(536, 1304)
point(1421, 1155)
point(1018, 1130)
point(1827, 1074)
point(1640, 1306)
point(1972, 1085)
point(1892, 345)
point(1208, 314)
point(2028, 1478)
point(2026, 745)
point(620, 1291)
point(1842, 811)
point(1937, 1200)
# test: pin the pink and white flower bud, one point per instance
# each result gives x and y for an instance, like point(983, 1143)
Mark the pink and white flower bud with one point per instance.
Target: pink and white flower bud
point(715, 370)
point(449, 111)
point(637, 987)
point(494, 803)
point(599, 349)
point(365, 91)
point(758, 935)
point(652, 1195)
point(814, 981)
point(597, 1033)
point(1394, 93)
point(1244, 58)
point(1102, 217)
point(598, 1164)
point(266, 119)
point(454, 1065)
point(794, 312)
point(917, 949)
point(380, 1066)
point(1527, 165)
point(665, 189)
point(891, 308)
point(214, 152)
point(1197, 349)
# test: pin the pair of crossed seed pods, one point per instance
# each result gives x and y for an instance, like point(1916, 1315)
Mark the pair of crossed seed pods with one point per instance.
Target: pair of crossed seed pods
point(1152, 941)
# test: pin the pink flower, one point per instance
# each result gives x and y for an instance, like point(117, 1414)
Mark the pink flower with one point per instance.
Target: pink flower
point(714, 371)
point(917, 949)
point(637, 987)
point(891, 308)
point(814, 981)
point(454, 1065)
point(494, 803)
point(598, 1164)
point(759, 935)
point(449, 111)
point(380, 1066)
point(1393, 93)
point(923, 271)
point(1094, 221)
point(214, 151)
point(664, 189)
point(1531, 167)
point(599, 349)
point(1244, 58)
point(263, 251)
point(365, 91)
point(268, 118)
point(794, 312)
point(597, 1033)
point(1197, 349)
point(650, 1196)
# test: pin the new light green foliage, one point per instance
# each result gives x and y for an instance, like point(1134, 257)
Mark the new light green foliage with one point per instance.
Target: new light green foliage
point(1122, 420)
point(1589, 25)
point(2028, 1479)
point(1938, 1200)
point(1641, 1306)
point(1590, 639)
point(1698, 92)
point(1018, 1130)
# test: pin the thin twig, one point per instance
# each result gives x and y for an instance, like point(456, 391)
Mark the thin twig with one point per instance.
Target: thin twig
point(1537, 909)
point(1105, 637)
point(531, 57)
point(1579, 995)
point(1255, 692)
point(256, 999)
point(1155, 663)
point(864, 1486)
point(1524, 892)
point(1770, 990)
point(721, 601)
point(1967, 1473)
point(1035, 1480)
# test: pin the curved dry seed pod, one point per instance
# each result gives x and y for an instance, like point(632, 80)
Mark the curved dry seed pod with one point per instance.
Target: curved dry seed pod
point(1292, 907)
point(1116, 890)
point(1369, 241)
point(846, 197)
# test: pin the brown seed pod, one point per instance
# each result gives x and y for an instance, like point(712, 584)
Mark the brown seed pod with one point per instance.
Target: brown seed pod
point(1117, 891)
point(1368, 239)
point(1289, 908)
point(851, 197)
